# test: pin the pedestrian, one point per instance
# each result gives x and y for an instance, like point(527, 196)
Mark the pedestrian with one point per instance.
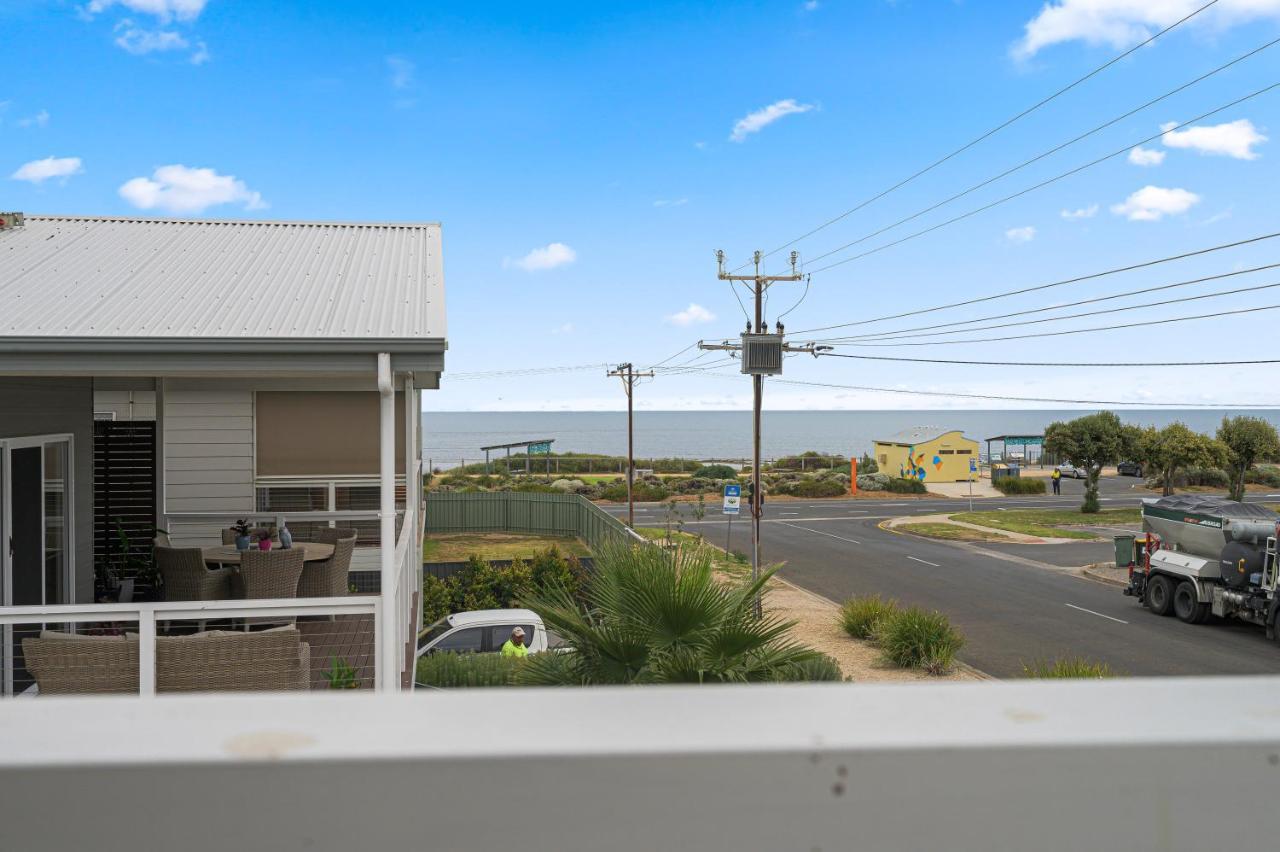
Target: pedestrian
point(515, 647)
point(1057, 481)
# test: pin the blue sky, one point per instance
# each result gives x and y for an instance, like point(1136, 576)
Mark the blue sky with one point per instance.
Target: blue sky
point(587, 160)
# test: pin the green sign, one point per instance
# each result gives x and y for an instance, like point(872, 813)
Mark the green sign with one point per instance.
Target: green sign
point(1024, 441)
point(543, 449)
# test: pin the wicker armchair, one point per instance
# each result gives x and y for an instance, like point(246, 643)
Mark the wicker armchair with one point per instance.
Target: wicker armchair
point(186, 578)
point(270, 573)
point(332, 535)
point(328, 579)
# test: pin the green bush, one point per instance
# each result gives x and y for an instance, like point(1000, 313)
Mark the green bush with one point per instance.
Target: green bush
point(870, 483)
point(809, 460)
point(450, 671)
point(437, 599)
point(817, 668)
point(641, 492)
point(1017, 485)
point(859, 616)
point(716, 471)
point(915, 638)
point(898, 485)
point(867, 465)
point(1070, 667)
point(819, 487)
point(1209, 477)
point(1261, 475)
point(481, 585)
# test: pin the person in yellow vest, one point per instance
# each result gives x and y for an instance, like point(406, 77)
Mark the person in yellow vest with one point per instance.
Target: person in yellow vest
point(515, 647)
point(1057, 481)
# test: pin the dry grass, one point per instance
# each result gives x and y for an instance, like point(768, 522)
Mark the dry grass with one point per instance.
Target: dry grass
point(456, 547)
point(951, 532)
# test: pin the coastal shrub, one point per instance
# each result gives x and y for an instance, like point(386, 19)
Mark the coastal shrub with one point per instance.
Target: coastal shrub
point(533, 486)
point(569, 486)
point(1069, 667)
point(715, 471)
point(898, 485)
point(1263, 475)
point(1017, 485)
point(808, 460)
point(1208, 477)
point(437, 599)
point(870, 483)
point(860, 615)
point(452, 671)
point(867, 464)
point(834, 474)
point(818, 668)
point(915, 638)
point(483, 585)
point(819, 487)
point(641, 491)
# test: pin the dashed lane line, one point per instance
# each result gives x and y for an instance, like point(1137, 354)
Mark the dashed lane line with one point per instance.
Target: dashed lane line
point(820, 532)
point(1100, 615)
point(924, 561)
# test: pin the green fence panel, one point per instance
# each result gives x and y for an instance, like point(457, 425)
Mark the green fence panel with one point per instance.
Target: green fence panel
point(529, 513)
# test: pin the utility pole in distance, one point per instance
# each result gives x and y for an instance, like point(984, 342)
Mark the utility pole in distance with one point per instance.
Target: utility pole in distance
point(761, 356)
point(627, 373)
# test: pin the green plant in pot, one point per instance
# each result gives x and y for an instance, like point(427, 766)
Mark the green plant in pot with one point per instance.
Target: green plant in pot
point(242, 530)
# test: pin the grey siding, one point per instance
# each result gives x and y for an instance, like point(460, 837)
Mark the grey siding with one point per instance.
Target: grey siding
point(50, 406)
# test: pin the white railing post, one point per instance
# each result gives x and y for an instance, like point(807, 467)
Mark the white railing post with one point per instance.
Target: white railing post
point(146, 651)
point(388, 634)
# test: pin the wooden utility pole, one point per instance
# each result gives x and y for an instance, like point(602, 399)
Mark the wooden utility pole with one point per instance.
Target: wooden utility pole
point(627, 373)
point(761, 355)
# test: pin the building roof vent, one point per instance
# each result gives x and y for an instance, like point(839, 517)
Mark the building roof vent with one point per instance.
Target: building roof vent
point(11, 220)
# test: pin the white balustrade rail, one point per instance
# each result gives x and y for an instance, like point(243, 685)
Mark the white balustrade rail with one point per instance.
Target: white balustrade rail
point(147, 615)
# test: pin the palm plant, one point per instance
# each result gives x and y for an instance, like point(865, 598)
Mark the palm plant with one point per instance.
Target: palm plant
point(654, 616)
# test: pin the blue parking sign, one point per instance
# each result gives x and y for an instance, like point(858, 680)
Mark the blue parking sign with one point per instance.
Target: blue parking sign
point(732, 499)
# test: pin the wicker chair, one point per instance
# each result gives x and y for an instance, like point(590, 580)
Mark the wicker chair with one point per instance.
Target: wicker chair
point(332, 535)
point(228, 536)
point(270, 573)
point(186, 578)
point(328, 579)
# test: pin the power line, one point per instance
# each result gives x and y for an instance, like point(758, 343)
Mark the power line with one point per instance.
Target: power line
point(528, 371)
point(672, 357)
point(1035, 187)
point(1051, 151)
point(880, 334)
point(1091, 276)
point(1142, 324)
point(1021, 323)
point(988, 134)
point(1053, 363)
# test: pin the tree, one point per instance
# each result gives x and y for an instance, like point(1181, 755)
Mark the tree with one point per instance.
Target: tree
point(1176, 447)
point(1247, 440)
point(1090, 442)
point(658, 617)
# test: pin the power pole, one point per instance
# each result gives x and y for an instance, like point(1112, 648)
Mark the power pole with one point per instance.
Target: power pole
point(761, 356)
point(627, 373)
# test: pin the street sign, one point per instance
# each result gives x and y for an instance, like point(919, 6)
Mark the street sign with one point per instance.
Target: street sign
point(732, 499)
point(540, 449)
point(973, 465)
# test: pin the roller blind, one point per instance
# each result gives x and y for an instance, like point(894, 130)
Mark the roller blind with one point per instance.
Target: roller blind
point(321, 433)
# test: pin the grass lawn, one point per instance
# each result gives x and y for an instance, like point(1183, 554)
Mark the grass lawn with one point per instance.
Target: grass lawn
point(947, 531)
point(456, 547)
point(1047, 523)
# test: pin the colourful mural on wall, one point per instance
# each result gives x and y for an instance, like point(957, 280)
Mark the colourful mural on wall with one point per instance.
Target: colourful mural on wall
point(914, 468)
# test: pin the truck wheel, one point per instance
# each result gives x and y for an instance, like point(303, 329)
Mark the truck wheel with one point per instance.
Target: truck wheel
point(1160, 595)
point(1186, 606)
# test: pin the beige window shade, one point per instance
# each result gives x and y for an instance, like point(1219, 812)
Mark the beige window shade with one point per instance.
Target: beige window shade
point(321, 433)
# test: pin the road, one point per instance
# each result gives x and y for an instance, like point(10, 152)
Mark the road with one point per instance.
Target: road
point(1014, 603)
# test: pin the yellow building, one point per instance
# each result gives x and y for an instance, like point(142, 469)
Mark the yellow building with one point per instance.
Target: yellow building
point(929, 454)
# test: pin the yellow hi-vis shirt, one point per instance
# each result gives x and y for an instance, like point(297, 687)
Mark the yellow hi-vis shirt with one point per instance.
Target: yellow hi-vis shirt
point(511, 649)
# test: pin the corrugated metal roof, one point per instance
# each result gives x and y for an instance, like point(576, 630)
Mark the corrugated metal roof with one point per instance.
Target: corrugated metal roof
point(916, 435)
point(91, 277)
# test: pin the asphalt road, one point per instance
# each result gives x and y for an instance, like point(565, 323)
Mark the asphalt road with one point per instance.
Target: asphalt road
point(1014, 603)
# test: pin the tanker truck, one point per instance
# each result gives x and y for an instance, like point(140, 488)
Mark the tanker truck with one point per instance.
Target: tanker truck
point(1208, 556)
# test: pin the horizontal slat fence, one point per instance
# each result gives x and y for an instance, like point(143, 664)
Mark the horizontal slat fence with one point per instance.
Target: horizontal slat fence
point(529, 513)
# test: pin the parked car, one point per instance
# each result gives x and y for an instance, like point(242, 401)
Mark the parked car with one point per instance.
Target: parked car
point(482, 631)
point(1072, 471)
point(1129, 468)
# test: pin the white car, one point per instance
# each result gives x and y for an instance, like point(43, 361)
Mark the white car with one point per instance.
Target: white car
point(1072, 471)
point(482, 631)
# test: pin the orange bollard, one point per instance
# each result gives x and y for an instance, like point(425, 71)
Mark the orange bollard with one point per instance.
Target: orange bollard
point(853, 476)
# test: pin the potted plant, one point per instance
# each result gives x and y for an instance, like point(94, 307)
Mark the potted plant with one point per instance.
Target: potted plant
point(242, 529)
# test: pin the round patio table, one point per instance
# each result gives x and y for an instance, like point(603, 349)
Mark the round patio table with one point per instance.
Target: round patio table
point(226, 554)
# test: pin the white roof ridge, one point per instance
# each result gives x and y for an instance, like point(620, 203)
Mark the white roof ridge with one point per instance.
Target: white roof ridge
point(168, 220)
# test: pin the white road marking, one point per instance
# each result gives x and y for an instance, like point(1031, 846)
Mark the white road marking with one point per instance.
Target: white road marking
point(820, 532)
point(1100, 615)
point(790, 513)
point(934, 564)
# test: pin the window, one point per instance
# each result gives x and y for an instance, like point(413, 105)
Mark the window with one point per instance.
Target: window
point(466, 640)
point(884, 458)
point(964, 452)
point(946, 452)
point(499, 635)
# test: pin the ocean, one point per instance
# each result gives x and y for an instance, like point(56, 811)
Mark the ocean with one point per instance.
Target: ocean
point(451, 436)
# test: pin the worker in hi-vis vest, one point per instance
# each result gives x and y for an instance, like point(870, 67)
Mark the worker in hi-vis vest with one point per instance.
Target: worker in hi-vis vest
point(1057, 481)
point(515, 647)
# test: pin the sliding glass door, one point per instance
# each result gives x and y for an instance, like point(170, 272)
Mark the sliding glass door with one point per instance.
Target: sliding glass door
point(36, 523)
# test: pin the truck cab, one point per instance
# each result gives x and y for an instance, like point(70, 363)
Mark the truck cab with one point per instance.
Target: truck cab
point(482, 631)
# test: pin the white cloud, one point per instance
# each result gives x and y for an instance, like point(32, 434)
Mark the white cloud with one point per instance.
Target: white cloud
point(1025, 234)
point(1081, 212)
point(1124, 23)
point(165, 10)
point(671, 202)
point(1140, 156)
point(1233, 139)
point(40, 119)
point(762, 118)
point(548, 257)
point(139, 41)
point(701, 146)
point(200, 55)
point(181, 189)
point(1153, 203)
point(39, 171)
point(811, 5)
point(402, 71)
point(695, 313)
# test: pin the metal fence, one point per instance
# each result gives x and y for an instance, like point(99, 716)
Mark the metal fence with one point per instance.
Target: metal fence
point(527, 513)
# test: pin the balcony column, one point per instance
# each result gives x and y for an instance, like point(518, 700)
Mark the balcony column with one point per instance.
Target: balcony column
point(389, 657)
